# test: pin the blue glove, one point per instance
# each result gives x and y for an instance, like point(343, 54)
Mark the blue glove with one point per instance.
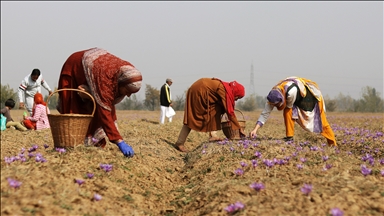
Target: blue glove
point(126, 149)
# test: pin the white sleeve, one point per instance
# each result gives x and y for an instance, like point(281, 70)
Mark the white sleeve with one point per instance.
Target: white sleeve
point(265, 113)
point(45, 84)
point(291, 97)
point(21, 90)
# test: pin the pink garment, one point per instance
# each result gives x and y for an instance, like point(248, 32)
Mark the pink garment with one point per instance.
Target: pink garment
point(40, 117)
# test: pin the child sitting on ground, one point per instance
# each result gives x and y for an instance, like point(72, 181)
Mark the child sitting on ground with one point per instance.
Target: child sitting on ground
point(6, 111)
point(39, 119)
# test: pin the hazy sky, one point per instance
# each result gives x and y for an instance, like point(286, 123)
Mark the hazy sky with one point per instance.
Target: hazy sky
point(339, 45)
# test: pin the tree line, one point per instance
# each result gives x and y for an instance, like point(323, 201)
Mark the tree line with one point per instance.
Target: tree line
point(370, 101)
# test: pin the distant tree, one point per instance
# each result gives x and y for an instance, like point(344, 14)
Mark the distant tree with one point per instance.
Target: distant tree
point(370, 101)
point(330, 105)
point(130, 103)
point(179, 102)
point(6, 93)
point(53, 100)
point(345, 103)
point(152, 98)
point(260, 101)
point(247, 104)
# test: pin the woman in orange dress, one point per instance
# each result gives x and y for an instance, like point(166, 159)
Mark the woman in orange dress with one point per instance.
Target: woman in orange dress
point(206, 100)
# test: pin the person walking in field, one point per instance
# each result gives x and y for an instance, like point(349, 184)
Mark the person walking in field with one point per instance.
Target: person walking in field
point(165, 100)
point(302, 102)
point(206, 100)
point(29, 86)
point(108, 79)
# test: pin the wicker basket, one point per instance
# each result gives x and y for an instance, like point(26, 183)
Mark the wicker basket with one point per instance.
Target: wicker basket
point(227, 129)
point(69, 130)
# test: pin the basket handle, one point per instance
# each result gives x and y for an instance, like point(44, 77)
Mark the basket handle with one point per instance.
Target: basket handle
point(235, 110)
point(70, 89)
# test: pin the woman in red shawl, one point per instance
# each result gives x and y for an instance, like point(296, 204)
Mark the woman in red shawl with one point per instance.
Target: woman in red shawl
point(39, 118)
point(206, 100)
point(108, 79)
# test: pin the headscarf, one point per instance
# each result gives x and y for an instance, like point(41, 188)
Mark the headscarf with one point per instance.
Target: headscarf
point(275, 96)
point(105, 72)
point(38, 99)
point(233, 89)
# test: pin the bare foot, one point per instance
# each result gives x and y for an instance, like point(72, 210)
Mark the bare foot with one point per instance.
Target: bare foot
point(181, 148)
point(212, 139)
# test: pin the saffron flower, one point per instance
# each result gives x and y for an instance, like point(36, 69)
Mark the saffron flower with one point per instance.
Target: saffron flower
point(306, 189)
point(232, 208)
point(97, 197)
point(61, 150)
point(365, 171)
point(268, 163)
point(336, 212)
point(79, 181)
point(382, 172)
point(327, 167)
point(106, 167)
point(90, 175)
point(300, 166)
point(46, 146)
point(257, 186)
point(258, 154)
point(239, 172)
point(14, 183)
point(243, 164)
point(325, 158)
point(254, 163)
point(303, 160)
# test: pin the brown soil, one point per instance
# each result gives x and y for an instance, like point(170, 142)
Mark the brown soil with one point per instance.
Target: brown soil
point(159, 180)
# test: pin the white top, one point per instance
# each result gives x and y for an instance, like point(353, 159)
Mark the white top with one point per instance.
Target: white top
point(28, 87)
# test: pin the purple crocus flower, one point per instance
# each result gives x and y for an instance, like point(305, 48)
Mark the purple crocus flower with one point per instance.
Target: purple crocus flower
point(90, 175)
point(382, 161)
point(254, 163)
point(365, 171)
point(327, 167)
point(243, 164)
point(31, 155)
point(14, 183)
point(97, 197)
point(382, 172)
point(106, 167)
point(306, 189)
point(303, 160)
point(257, 186)
point(300, 166)
point(258, 154)
point(61, 150)
point(46, 146)
point(203, 152)
point(239, 172)
point(325, 158)
point(268, 163)
point(79, 181)
point(232, 208)
point(336, 212)
point(8, 160)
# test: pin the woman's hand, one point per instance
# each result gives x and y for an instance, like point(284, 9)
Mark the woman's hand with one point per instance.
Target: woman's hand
point(253, 133)
point(85, 89)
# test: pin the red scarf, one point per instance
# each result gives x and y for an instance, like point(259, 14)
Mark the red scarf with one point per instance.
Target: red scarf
point(233, 89)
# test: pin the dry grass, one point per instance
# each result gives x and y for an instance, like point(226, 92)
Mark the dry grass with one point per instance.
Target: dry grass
point(159, 180)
